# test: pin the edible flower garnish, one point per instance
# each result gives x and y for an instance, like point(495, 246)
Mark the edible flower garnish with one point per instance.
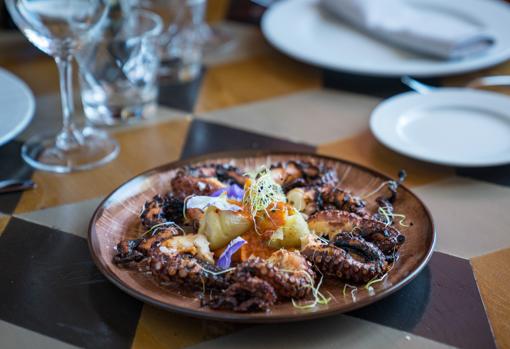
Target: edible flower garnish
point(233, 191)
point(232, 247)
point(220, 202)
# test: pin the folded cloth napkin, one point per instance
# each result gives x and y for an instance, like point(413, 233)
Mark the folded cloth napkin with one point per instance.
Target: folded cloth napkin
point(442, 35)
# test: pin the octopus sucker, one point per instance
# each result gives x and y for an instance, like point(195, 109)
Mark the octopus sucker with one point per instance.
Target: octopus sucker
point(135, 250)
point(244, 295)
point(332, 222)
point(288, 281)
point(225, 173)
point(358, 246)
point(310, 200)
point(186, 269)
point(184, 185)
point(259, 283)
point(336, 262)
point(292, 174)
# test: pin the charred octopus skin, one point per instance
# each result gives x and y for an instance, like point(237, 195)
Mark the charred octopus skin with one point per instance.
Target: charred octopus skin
point(256, 284)
point(330, 223)
point(293, 174)
point(171, 257)
point(288, 283)
point(162, 209)
point(225, 173)
point(135, 250)
point(336, 262)
point(246, 294)
point(185, 269)
point(184, 185)
point(326, 197)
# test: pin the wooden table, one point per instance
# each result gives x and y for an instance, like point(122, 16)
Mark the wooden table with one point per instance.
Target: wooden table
point(249, 96)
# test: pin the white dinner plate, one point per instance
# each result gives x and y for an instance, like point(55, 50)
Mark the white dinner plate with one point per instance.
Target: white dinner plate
point(299, 29)
point(17, 106)
point(448, 126)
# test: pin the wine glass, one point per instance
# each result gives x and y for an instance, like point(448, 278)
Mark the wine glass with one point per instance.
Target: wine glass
point(60, 28)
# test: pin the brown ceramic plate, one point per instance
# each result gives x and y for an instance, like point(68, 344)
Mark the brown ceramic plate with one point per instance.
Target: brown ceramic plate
point(117, 218)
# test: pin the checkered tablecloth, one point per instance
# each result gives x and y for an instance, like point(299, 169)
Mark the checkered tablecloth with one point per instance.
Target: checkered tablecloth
point(251, 97)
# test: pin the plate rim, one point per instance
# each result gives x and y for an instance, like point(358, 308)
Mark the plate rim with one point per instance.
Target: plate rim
point(27, 118)
point(251, 317)
point(440, 90)
point(445, 71)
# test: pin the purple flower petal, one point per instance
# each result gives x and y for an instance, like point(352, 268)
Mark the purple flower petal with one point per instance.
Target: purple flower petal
point(233, 192)
point(232, 247)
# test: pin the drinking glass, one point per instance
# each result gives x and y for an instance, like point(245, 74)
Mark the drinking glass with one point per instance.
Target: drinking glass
point(180, 45)
point(60, 28)
point(118, 76)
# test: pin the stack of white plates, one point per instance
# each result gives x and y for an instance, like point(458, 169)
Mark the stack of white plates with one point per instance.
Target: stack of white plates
point(17, 106)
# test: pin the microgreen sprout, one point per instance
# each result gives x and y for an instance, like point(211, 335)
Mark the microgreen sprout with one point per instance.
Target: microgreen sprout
point(348, 286)
point(354, 291)
point(376, 190)
point(156, 227)
point(374, 281)
point(215, 273)
point(318, 297)
point(389, 215)
point(369, 285)
point(262, 191)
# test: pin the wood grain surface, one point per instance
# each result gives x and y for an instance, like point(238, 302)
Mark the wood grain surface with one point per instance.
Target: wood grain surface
point(492, 274)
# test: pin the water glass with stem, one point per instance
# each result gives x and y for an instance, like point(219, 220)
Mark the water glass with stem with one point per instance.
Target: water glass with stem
point(60, 28)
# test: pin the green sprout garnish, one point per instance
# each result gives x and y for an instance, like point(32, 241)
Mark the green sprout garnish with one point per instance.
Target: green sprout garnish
point(156, 227)
point(389, 215)
point(354, 291)
point(262, 191)
point(381, 186)
point(318, 297)
point(215, 273)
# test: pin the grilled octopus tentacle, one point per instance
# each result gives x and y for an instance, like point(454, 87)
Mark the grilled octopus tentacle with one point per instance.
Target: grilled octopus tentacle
point(340, 199)
point(336, 262)
point(184, 185)
point(248, 293)
point(293, 174)
point(162, 209)
point(257, 283)
point(135, 250)
point(186, 269)
point(332, 222)
point(287, 283)
point(357, 245)
point(317, 198)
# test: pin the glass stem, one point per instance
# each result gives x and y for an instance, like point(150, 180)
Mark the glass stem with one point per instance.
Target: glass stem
point(68, 138)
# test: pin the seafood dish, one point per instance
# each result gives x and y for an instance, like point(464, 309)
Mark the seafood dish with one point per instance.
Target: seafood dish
point(245, 241)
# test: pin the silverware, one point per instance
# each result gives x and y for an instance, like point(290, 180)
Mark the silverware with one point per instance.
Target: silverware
point(12, 185)
point(495, 80)
point(416, 85)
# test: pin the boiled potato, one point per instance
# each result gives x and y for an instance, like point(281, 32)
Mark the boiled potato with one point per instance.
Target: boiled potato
point(220, 226)
point(291, 233)
point(196, 244)
point(296, 197)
